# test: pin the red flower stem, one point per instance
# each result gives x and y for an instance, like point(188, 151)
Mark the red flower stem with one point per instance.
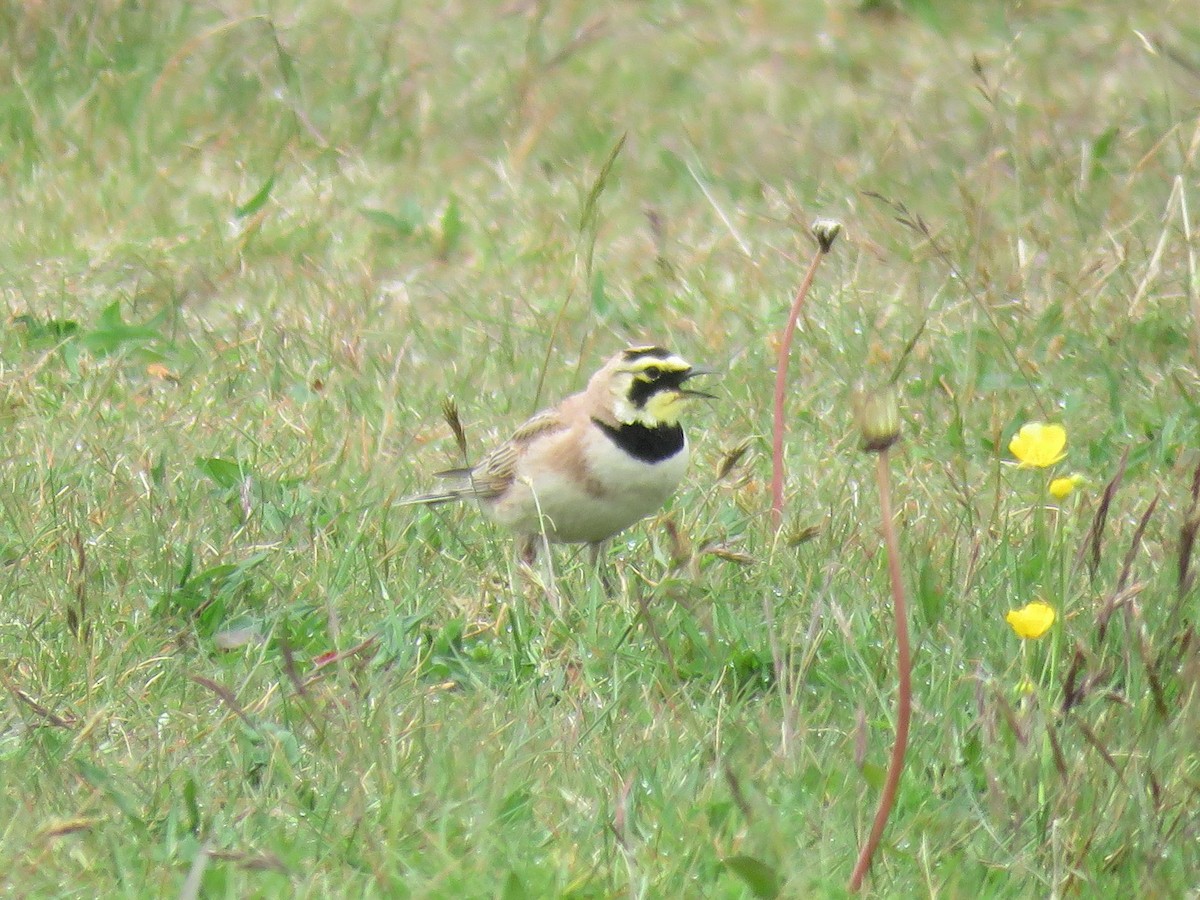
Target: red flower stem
point(785, 347)
point(904, 691)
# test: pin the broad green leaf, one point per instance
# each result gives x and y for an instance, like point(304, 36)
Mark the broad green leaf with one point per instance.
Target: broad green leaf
point(111, 332)
point(762, 879)
point(225, 473)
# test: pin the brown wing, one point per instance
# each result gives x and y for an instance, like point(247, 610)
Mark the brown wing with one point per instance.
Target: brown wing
point(492, 475)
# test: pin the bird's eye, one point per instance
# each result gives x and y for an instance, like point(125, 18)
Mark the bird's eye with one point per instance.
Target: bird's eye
point(652, 372)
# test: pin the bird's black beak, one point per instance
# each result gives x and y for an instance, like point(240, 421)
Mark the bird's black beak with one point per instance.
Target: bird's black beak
point(692, 373)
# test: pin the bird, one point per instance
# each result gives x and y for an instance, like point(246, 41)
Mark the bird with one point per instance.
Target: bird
point(586, 469)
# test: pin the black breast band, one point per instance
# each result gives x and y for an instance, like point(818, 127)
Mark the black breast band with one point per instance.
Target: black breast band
point(650, 445)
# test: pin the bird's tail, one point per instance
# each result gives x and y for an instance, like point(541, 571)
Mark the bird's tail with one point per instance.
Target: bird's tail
point(435, 499)
point(464, 489)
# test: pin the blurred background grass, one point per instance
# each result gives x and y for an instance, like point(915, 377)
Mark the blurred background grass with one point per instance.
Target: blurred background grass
point(248, 251)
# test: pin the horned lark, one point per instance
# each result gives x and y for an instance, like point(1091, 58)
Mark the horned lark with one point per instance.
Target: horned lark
point(593, 465)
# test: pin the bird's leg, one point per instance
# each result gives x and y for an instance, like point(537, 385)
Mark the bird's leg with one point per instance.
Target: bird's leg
point(527, 552)
point(541, 576)
point(596, 554)
point(528, 549)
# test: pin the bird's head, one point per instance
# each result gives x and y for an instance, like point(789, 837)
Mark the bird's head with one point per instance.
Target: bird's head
point(647, 386)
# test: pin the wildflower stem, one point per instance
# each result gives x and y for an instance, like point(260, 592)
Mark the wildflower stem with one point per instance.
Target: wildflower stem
point(904, 691)
point(825, 233)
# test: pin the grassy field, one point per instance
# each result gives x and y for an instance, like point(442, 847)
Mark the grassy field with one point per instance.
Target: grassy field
point(249, 249)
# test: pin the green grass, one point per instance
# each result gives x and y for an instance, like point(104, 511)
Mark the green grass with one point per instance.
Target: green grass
point(249, 248)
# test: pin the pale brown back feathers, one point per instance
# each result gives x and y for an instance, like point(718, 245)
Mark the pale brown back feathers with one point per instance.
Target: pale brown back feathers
point(492, 475)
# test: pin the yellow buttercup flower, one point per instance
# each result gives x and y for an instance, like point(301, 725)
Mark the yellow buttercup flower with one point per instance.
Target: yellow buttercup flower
point(1038, 445)
point(1032, 620)
point(1062, 487)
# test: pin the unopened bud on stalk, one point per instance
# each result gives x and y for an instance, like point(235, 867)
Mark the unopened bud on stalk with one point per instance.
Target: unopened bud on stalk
point(826, 232)
point(878, 413)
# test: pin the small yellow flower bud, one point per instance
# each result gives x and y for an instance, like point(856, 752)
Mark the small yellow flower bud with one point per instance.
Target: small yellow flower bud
point(1060, 488)
point(1025, 687)
point(878, 418)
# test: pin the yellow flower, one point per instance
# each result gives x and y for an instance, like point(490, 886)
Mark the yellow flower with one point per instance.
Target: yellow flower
point(1061, 487)
point(1038, 445)
point(1032, 620)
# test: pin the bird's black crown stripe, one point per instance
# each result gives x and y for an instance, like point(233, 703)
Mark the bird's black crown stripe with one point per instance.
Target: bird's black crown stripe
point(639, 352)
point(642, 442)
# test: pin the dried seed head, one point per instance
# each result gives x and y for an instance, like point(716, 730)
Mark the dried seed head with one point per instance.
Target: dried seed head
point(450, 414)
point(878, 413)
point(730, 460)
point(826, 232)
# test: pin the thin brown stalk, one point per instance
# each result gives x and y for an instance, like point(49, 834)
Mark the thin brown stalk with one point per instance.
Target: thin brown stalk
point(228, 698)
point(904, 665)
point(1135, 544)
point(826, 233)
point(1095, 536)
point(1187, 534)
point(44, 712)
